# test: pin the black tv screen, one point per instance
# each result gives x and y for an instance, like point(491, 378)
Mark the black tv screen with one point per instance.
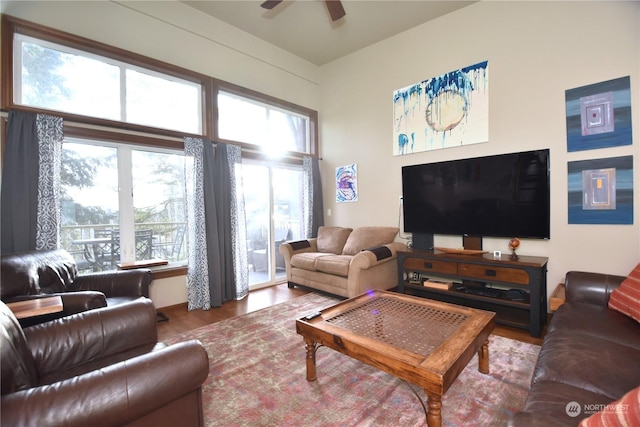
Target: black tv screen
point(504, 195)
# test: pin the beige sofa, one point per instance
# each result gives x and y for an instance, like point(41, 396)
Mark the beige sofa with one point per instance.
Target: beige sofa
point(343, 261)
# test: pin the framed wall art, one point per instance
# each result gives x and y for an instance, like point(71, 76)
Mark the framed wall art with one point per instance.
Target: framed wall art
point(449, 110)
point(599, 115)
point(347, 183)
point(601, 191)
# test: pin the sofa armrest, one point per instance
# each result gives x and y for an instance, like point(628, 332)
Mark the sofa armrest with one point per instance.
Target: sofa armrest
point(289, 249)
point(124, 283)
point(375, 256)
point(67, 343)
point(591, 288)
point(113, 396)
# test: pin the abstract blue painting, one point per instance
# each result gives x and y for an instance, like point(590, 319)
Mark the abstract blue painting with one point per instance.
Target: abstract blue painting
point(599, 115)
point(449, 110)
point(600, 191)
point(347, 183)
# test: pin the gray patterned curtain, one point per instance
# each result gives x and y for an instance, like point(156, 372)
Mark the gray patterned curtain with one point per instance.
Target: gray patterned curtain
point(215, 222)
point(31, 182)
point(313, 207)
point(238, 220)
point(50, 136)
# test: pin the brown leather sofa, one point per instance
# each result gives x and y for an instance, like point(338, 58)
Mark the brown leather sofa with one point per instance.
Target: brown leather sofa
point(588, 359)
point(38, 274)
point(103, 367)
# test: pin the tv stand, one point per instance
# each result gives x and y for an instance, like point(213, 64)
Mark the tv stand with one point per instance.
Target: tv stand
point(518, 287)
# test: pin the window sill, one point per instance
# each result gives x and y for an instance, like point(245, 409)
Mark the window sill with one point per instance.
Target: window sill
point(171, 270)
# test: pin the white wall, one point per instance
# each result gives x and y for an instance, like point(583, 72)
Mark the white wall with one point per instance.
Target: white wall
point(536, 50)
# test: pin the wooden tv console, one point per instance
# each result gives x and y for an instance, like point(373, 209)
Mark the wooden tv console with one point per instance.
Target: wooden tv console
point(474, 277)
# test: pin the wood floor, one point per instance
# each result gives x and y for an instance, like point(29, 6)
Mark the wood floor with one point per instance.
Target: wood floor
point(182, 320)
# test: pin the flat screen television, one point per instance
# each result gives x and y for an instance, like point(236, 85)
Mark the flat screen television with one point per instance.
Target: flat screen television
point(505, 195)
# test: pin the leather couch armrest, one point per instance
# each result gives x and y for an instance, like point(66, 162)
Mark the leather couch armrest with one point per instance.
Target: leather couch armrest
point(116, 395)
point(591, 288)
point(124, 283)
point(66, 343)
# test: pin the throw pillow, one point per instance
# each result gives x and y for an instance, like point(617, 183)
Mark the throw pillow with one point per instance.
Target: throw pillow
point(622, 412)
point(332, 239)
point(626, 297)
point(368, 237)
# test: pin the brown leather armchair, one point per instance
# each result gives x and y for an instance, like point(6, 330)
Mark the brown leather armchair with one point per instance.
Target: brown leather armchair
point(38, 274)
point(103, 367)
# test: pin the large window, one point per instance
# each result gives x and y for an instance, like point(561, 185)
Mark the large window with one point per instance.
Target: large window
point(121, 204)
point(122, 188)
point(56, 77)
point(275, 130)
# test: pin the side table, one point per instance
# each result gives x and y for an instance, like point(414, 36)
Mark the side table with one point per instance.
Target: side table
point(36, 307)
point(557, 297)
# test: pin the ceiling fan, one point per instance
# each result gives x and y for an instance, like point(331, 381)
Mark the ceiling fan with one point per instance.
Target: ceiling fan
point(334, 6)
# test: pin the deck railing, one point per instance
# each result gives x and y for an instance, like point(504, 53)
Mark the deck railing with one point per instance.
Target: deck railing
point(168, 242)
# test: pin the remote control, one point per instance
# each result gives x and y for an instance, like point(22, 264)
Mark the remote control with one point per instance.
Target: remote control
point(312, 315)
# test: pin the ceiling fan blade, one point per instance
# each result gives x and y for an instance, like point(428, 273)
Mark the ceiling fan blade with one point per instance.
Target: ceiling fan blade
point(270, 4)
point(335, 9)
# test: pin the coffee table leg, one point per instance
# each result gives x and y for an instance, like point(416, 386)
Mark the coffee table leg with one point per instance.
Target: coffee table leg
point(483, 358)
point(311, 347)
point(434, 414)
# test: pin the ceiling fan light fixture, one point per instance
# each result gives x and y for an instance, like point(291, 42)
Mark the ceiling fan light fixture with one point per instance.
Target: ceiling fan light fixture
point(270, 4)
point(336, 10)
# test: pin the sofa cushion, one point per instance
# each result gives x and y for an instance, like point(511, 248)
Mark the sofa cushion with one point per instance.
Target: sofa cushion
point(334, 264)
point(307, 260)
point(623, 412)
point(626, 297)
point(332, 239)
point(557, 401)
point(576, 358)
point(597, 321)
point(367, 237)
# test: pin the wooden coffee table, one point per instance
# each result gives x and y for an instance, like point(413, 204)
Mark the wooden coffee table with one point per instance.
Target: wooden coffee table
point(425, 342)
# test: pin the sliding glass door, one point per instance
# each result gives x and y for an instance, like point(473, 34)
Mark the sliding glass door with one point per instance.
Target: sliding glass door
point(273, 197)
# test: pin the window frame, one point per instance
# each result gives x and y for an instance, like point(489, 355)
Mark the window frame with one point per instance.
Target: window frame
point(210, 86)
point(124, 166)
point(91, 128)
point(11, 26)
point(275, 103)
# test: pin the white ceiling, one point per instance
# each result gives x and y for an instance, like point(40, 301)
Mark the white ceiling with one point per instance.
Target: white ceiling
point(304, 27)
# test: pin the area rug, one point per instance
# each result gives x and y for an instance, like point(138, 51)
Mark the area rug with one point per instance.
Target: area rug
point(257, 377)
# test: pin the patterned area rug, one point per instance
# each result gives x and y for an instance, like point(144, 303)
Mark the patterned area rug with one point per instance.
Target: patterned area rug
point(257, 378)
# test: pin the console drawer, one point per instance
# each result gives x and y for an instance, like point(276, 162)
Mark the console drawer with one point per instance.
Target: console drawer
point(436, 266)
point(489, 273)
